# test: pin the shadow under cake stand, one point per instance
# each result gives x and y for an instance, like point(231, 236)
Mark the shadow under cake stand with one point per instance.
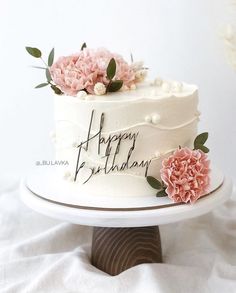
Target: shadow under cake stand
point(126, 229)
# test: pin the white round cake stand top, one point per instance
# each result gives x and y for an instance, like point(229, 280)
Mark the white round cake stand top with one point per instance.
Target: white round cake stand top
point(126, 218)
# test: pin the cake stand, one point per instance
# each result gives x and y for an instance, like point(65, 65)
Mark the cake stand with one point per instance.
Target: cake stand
point(126, 229)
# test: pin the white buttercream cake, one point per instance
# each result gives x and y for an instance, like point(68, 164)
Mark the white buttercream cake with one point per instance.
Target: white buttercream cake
point(119, 135)
point(112, 142)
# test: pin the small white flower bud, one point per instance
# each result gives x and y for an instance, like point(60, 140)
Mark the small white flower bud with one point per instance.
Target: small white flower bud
point(99, 89)
point(124, 88)
point(133, 86)
point(140, 75)
point(137, 65)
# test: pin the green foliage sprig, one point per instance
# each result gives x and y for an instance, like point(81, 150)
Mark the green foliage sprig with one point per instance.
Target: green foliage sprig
point(158, 185)
point(113, 85)
point(200, 141)
point(83, 46)
point(36, 53)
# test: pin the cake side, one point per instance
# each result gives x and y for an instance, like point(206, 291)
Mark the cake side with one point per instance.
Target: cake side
point(139, 129)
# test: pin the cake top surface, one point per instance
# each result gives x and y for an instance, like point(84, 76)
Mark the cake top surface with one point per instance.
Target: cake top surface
point(145, 90)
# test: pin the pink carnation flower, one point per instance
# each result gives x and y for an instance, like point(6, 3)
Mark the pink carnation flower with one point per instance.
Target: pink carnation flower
point(83, 70)
point(186, 175)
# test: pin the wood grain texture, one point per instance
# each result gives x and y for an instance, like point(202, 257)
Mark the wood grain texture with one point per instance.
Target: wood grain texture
point(115, 250)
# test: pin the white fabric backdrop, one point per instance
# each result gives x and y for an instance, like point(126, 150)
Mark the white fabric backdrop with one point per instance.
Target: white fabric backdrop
point(39, 254)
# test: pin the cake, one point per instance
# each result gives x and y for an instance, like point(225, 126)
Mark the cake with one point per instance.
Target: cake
point(122, 135)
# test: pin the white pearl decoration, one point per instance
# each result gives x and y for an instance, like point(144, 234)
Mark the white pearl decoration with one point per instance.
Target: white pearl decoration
point(66, 175)
point(229, 32)
point(158, 81)
point(148, 119)
point(198, 113)
point(166, 87)
point(157, 154)
point(53, 137)
point(177, 86)
point(52, 134)
point(99, 89)
point(155, 118)
point(81, 94)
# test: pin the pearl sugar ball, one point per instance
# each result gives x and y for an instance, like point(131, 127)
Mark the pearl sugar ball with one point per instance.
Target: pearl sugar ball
point(148, 119)
point(155, 118)
point(177, 87)
point(166, 87)
point(81, 94)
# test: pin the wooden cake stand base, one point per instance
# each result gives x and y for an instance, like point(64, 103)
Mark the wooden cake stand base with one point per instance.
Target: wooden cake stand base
point(115, 250)
point(123, 237)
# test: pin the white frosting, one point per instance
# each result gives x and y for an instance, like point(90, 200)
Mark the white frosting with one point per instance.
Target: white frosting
point(159, 120)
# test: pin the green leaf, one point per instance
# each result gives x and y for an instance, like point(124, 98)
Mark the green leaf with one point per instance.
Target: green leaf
point(83, 46)
point(199, 142)
point(39, 67)
point(41, 85)
point(111, 69)
point(51, 57)
point(161, 193)
point(201, 139)
point(48, 75)
point(56, 90)
point(156, 184)
point(114, 86)
point(202, 148)
point(34, 52)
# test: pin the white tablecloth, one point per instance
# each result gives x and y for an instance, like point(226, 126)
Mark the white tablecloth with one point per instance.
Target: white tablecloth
point(40, 254)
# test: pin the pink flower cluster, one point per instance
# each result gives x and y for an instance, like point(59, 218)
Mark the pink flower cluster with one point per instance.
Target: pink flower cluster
point(186, 175)
point(83, 70)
